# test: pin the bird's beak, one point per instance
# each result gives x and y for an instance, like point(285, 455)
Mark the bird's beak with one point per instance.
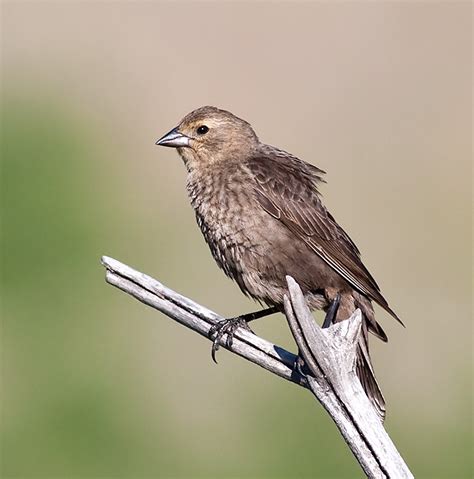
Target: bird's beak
point(173, 139)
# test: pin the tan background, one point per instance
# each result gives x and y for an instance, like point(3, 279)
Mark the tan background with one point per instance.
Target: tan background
point(95, 384)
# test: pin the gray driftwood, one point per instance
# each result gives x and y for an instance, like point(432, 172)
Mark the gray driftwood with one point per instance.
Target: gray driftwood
point(329, 354)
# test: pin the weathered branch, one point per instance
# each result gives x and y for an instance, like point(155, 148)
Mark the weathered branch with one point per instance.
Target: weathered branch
point(200, 319)
point(329, 354)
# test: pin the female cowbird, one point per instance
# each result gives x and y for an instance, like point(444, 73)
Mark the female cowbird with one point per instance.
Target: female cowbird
point(261, 214)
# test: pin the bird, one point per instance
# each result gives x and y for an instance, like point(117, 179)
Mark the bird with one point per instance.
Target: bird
point(261, 213)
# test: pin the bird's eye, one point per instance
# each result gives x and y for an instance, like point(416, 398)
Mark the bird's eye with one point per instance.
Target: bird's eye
point(202, 130)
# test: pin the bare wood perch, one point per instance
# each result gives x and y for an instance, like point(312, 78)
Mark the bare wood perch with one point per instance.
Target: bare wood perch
point(329, 354)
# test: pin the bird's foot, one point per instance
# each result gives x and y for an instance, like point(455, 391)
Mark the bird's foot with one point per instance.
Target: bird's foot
point(229, 327)
point(332, 311)
point(300, 366)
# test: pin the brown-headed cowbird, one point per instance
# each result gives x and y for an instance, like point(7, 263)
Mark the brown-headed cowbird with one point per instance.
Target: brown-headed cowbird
point(261, 214)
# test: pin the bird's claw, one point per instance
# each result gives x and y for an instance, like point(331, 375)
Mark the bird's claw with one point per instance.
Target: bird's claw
point(300, 366)
point(225, 326)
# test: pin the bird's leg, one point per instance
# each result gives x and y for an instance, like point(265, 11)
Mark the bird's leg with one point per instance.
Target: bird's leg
point(332, 311)
point(229, 326)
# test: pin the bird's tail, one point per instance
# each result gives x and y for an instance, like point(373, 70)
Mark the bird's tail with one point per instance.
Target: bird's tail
point(366, 374)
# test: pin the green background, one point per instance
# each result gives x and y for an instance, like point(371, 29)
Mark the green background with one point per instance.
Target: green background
point(95, 384)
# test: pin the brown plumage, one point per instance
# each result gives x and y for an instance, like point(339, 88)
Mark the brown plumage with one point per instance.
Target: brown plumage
point(261, 214)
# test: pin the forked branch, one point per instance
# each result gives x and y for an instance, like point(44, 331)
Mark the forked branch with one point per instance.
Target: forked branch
point(328, 353)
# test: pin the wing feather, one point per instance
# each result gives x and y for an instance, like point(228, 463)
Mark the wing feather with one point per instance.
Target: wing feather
point(286, 187)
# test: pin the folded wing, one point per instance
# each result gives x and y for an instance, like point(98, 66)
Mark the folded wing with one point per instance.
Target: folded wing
point(286, 188)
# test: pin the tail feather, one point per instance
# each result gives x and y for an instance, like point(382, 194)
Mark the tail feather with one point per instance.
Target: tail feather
point(377, 330)
point(366, 374)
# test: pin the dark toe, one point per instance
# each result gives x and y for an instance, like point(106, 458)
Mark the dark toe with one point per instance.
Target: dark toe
point(214, 349)
point(226, 326)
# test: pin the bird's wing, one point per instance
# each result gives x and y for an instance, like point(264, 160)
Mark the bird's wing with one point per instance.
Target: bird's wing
point(285, 187)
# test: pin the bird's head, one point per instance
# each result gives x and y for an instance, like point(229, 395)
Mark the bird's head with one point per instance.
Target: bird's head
point(209, 135)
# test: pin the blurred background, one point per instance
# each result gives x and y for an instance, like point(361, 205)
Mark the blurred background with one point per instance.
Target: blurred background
point(95, 384)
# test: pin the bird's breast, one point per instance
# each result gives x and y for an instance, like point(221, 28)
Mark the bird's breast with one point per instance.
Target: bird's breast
point(219, 202)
